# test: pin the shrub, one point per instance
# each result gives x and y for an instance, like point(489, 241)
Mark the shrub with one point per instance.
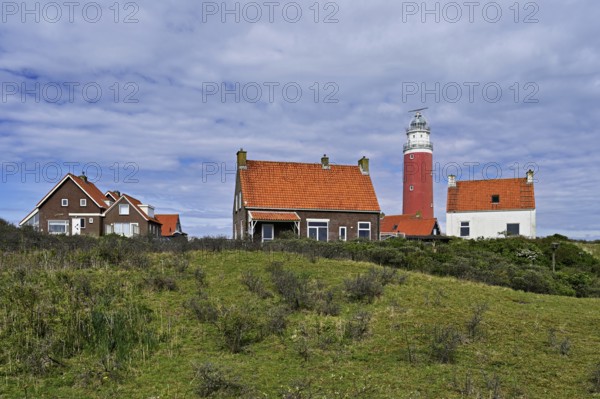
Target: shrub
point(358, 326)
point(204, 309)
point(365, 287)
point(255, 284)
point(595, 379)
point(162, 283)
point(238, 328)
point(444, 344)
point(292, 288)
point(277, 320)
point(473, 325)
point(212, 379)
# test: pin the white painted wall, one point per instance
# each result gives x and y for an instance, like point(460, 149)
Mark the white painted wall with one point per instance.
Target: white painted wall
point(489, 223)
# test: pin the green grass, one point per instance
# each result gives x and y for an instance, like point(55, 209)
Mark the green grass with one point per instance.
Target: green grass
point(513, 347)
point(591, 248)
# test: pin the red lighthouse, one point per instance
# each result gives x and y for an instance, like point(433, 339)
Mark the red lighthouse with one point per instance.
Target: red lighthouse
point(418, 168)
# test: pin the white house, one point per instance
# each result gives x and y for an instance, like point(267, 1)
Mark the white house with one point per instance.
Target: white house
point(491, 208)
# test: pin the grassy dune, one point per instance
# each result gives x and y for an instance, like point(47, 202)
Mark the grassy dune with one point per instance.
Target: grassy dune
point(525, 346)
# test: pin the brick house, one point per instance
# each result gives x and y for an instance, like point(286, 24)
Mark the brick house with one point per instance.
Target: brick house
point(491, 208)
point(317, 200)
point(129, 217)
point(409, 226)
point(75, 206)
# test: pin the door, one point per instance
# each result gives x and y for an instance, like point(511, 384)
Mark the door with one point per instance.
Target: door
point(76, 226)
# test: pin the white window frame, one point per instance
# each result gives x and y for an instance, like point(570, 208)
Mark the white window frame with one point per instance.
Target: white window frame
point(308, 228)
point(411, 188)
point(90, 220)
point(464, 225)
point(64, 202)
point(412, 156)
point(121, 209)
point(345, 237)
point(359, 229)
point(82, 202)
point(82, 223)
point(262, 231)
point(65, 223)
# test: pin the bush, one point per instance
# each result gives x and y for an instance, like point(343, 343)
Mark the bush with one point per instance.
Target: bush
point(238, 328)
point(365, 287)
point(293, 288)
point(255, 284)
point(473, 325)
point(162, 283)
point(358, 326)
point(212, 379)
point(204, 309)
point(444, 344)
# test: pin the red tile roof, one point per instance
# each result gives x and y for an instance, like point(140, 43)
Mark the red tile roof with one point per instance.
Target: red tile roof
point(289, 185)
point(410, 225)
point(169, 224)
point(275, 216)
point(89, 188)
point(136, 204)
point(476, 195)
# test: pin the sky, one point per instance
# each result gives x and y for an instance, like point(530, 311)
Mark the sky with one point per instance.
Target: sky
point(154, 98)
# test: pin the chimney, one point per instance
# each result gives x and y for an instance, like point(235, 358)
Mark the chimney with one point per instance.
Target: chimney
point(363, 163)
point(325, 162)
point(530, 176)
point(241, 159)
point(117, 193)
point(83, 177)
point(451, 181)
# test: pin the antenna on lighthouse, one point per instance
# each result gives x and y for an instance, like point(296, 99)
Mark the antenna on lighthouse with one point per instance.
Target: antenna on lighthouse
point(417, 110)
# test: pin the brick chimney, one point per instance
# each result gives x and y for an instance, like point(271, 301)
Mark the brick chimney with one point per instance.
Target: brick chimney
point(83, 177)
point(241, 159)
point(451, 181)
point(530, 176)
point(363, 163)
point(325, 162)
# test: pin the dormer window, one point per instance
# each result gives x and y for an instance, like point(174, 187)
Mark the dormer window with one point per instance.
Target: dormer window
point(495, 199)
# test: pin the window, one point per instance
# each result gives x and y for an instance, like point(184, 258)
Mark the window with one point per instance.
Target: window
point(91, 220)
point(64, 202)
point(123, 229)
point(465, 229)
point(83, 202)
point(512, 229)
point(343, 233)
point(268, 232)
point(412, 156)
point(34, 221)
point(123, 209)
point(495, 199)
point(412, 188)
point(82, 223)
point(318, 229)
point(364, 230)
point(58, 226)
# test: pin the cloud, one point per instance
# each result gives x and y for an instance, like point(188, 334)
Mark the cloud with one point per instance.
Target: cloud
point(358, 77)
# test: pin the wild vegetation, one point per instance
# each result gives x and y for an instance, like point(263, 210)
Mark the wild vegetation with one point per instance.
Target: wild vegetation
point(115, 317)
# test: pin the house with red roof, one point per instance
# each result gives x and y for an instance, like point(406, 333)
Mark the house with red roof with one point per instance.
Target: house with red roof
point(171, 225)
point(491, 208)
point(409, 226)
point(322, 201)
point(75, 206)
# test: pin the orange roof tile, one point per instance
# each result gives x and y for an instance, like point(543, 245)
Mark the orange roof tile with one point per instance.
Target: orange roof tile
point(289, 185)
point(136, 204)
point(169, 224)
point(275, 216)
point(410, 225)
point(476, 195)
